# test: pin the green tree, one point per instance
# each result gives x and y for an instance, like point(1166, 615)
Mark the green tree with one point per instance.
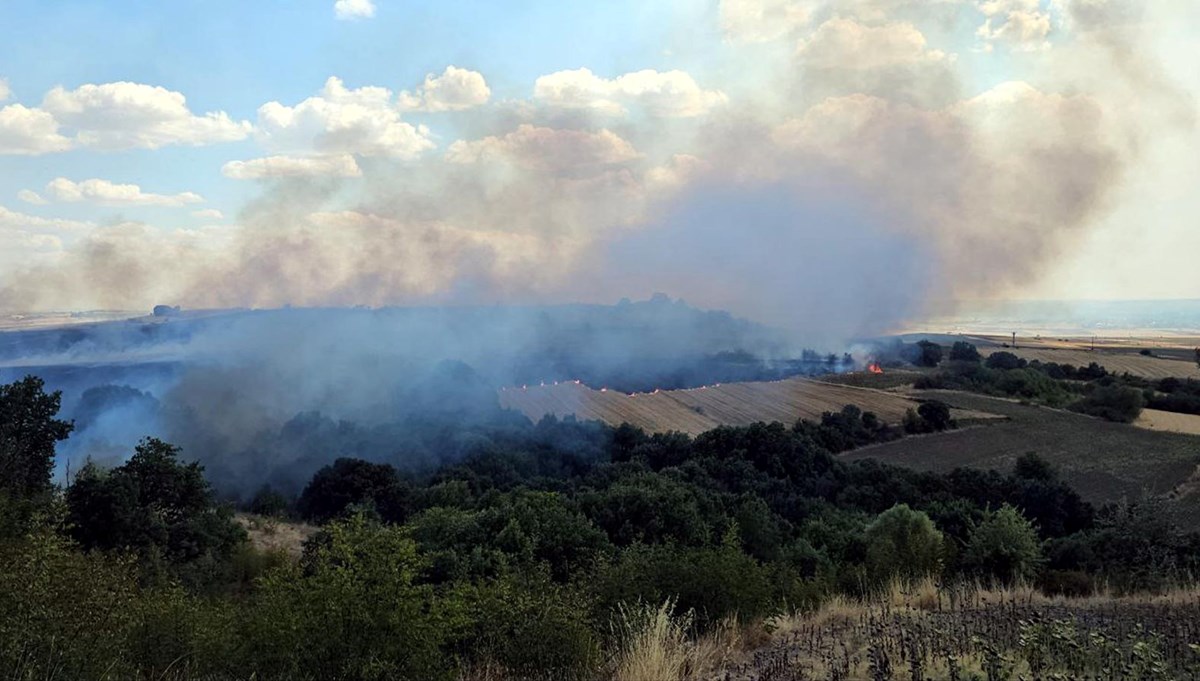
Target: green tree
point(28, 433)
point(1112, 403)
point(157, 507)
point(348, 482)
point(351, 610)
point(929, 354)
point(903, 542)
point(1004, 546)
point(963, 351)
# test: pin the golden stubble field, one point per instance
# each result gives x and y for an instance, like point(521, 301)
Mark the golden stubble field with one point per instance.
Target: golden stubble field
point(696, 410)
point(1173, 356)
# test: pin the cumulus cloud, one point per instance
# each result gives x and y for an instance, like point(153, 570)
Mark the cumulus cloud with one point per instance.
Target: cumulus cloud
point(354, 9)
point(844, 56)
point(854, 154)
point(208, 214)
point(28, 132)
point(127, 115)
point(454, 90)
point(29, 196)
point(28, 239)
point(107, 193)
point(756, 21)
point(5, 91)
point(671, 94)
point(548, 149)
point(341, 165)
point(340, 120)
point(1022, 24)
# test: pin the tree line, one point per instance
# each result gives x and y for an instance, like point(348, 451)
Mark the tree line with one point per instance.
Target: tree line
point(517, 555)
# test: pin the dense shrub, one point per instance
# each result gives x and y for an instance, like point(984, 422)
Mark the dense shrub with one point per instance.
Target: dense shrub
point(903, 543)
point(354, 482)
point(1005, 546)
point(1112, 403)
point(963, 351)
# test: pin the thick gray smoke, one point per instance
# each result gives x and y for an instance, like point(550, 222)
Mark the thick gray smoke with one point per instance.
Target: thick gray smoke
point(845, 171)
point(863, 161)
point(270, 396)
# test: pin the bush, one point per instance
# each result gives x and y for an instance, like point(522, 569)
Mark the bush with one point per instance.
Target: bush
point(903, 543)
point(354, 482)
point(929, 354)
point(159, 508)
point(1112, 403)
point(1005, 546)
point(1004, 360)
point(963, 351)
point(352, 611)
point(712, 582)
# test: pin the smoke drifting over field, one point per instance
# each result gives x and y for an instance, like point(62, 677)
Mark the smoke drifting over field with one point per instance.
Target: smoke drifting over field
point(270, 396)
point(861, 174)
point(833, 169)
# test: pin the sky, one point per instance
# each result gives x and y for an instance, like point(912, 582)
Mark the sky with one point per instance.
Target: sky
point(786, 159)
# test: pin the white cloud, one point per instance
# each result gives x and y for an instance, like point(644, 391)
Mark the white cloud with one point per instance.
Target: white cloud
point(354, 9)
point(341, 121)
point(844, 56)
point(844, 43)
point(1020, 23)
point(14, 221)
point(455, 90)
point(758, 21)
point(546, 148)
point(670, 94)
point(133, 115)
point(342, 165)
point(33, 197)
point(108, 193)
point(25, 131)
point(208, 214)
point(5, 91)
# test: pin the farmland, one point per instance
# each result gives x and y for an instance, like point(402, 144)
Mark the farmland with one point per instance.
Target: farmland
point(1104, 461)
point(696, 410)
point(1156, 419)
point(1168, 358)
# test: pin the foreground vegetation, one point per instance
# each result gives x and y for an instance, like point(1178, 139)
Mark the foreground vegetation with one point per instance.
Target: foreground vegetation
point(562, 550)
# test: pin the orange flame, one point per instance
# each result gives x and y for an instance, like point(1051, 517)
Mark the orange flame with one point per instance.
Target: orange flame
point(874, 368)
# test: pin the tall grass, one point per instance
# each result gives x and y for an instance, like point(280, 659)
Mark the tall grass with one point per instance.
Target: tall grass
point(656, 644)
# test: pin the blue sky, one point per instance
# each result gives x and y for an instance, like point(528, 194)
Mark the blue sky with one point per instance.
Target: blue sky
point(548, 133)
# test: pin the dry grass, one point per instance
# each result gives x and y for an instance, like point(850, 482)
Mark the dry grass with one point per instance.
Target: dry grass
point(1155, 419)
point(928, 631)
point(271, 534)
point(697, 410)
point(655, 645)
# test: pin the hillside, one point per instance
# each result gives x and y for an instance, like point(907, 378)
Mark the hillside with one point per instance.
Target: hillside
point(696, 410)
point(1104, 461)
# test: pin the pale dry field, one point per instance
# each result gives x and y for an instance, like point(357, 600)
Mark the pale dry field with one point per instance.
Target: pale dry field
point(1118, 361)
point(1154, 419)
point(696, 410)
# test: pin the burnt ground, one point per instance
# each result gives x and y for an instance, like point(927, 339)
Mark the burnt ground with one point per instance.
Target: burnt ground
point(1104, 461)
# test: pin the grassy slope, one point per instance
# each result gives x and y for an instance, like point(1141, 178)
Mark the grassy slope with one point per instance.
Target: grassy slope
point(1103, 460)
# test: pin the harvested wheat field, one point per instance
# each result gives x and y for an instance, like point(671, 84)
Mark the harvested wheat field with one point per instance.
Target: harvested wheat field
point(1114, 361)
point(696, 410)
point(1155, 419)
